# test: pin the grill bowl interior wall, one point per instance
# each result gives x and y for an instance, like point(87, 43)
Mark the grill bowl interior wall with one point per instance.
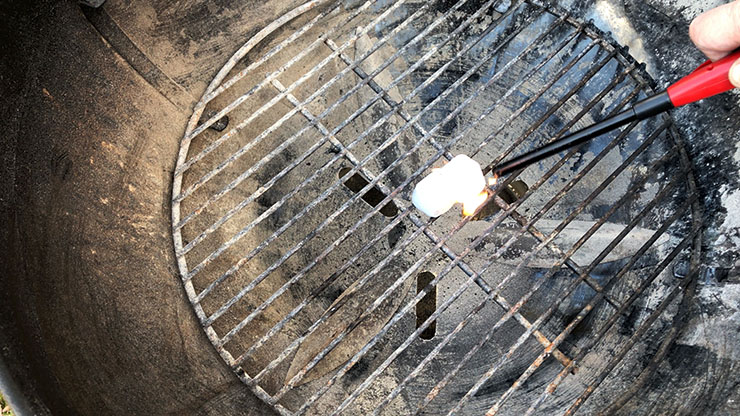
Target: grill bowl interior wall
point(107, 108)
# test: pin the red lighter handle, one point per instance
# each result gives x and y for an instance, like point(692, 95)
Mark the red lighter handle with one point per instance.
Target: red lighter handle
point(711, 78)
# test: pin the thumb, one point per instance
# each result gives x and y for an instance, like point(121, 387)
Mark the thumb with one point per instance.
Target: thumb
point(717, 32)
point(735, 74)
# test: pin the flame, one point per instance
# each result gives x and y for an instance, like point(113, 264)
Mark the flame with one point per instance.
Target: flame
point(471, 205)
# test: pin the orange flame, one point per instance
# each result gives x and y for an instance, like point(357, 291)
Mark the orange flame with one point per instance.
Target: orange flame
point(471, 205)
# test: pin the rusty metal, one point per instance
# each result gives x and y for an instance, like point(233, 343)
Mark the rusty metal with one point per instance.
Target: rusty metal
point(342, 152)
point(380, 91)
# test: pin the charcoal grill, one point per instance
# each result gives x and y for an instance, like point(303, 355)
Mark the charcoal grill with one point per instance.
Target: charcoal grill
point(327, 292)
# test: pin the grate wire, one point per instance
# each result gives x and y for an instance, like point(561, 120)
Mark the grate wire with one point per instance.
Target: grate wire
point(476, 37)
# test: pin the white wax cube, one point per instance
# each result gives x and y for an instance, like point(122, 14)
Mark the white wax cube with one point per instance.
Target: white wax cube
point(460, 180)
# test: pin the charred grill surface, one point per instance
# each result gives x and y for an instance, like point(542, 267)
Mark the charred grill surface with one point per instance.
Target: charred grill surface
point(327, 292)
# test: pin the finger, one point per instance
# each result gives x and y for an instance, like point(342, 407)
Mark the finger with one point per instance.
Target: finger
point(717, 32)
point(735, 74)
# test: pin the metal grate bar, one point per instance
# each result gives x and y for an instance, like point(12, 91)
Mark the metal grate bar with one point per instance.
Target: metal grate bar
point(196, 130)
point(205, 178)
point(268, 157)
point(216, 90)
point(547, 114)
point(359, 111)
point(626, 347)
point(217, 84)
point(644, 327)
point(341, 74)
point(464, 267)
point(442, 383)
point(409, 272)
point(277, 327)
point(512, 311)
point(511, 178)
point(588, 308)
point(305, 77)
point(556, 266)
point(572, 287)
point(679, 320)
point(532, 229)
point(539, 321)
point(387, 98)
point(661, 308)
point(418, 222)
point(408, 306)
point(330, 312)
point(370, 156)
point(621, 312)
point(338, 183)
point(252, 197)
point(564, 70)
point(246, 320)
point(339, 145)
point(400, 28)
point(337, 341)
point(254, 65)
point(569, 263)
point(396, 220)
point(364, 279)
point(423, 292)
point(413, 217)
point(372, 183)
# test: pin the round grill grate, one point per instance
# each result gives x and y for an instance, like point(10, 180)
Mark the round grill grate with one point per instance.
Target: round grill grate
point(327, 292)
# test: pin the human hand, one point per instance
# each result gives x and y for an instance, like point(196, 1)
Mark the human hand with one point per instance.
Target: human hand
point(717, 33)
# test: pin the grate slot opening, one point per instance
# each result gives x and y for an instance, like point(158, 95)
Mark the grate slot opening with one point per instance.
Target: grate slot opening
point(427, 305)
point(373, 197)
point(510, 193)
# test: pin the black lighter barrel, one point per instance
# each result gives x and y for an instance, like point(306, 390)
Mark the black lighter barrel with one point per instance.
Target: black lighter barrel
point(648, 107)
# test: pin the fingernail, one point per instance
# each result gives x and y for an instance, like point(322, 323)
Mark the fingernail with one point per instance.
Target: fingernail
point(735, 74)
